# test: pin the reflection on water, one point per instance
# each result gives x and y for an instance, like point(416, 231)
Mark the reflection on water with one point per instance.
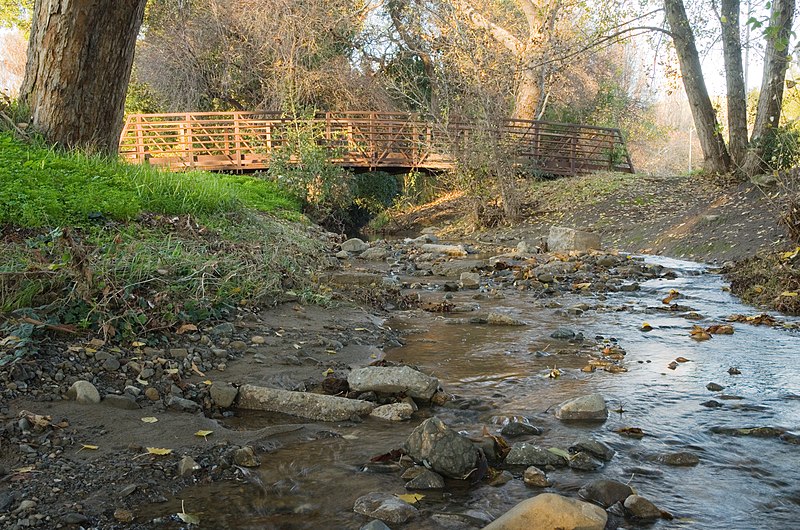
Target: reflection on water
point(741, 482)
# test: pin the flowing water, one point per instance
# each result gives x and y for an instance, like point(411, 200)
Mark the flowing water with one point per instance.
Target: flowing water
point(741, 482)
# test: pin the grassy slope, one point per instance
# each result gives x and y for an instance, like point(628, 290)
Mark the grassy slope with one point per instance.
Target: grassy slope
point(98, 243)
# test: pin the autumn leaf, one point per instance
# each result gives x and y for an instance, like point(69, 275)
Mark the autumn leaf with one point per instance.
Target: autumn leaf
point(580, 286)
point(185, 329)
point(673, 294)
point(328, 372)
point(789, 294)
point(411, 498)
point(150, 419)
point(137, 344)
point(203, 434)
point(188, 518)
point(158, 451)
point(89, 447)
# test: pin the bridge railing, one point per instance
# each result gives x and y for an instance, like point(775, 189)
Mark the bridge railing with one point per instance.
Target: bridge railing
point(240, 141)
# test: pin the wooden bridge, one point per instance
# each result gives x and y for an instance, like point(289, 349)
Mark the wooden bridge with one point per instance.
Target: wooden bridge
point(246, 141)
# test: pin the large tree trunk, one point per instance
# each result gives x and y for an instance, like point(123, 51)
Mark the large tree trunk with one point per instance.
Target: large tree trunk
point(79, 62)
point(734, 77)
point(776, 62)
point(527, 99)
point(715, 154)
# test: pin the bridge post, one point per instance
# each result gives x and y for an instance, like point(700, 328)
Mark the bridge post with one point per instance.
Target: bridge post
point(140, 150)
point(237, 138)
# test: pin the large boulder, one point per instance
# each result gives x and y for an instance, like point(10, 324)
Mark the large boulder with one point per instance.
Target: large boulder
point(548, 511)
point(385, 507)
point(591, 407)
point(303, 404)
point(445, 451)
point(640, 508)
point(354, 245)
point(567, 239)
point(393, 380)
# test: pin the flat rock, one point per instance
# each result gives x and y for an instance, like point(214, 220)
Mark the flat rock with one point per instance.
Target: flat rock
point(526, 454)
point(499, 319)
point(125, 402)
point(470, 280)
point(393, 412)
point(591, 407)
point(375, 524)
point(567, 239)
point(446, 452)
point(448, 250)
point(549, 511)
point(640, 508)
point(584, 462)
point(605, 492)
point(385, 507)
point(374, 254)
point(83, 392)
point(182, 404)
point(517, 427)
point(455, 268)
point(187, 466)
point(303, 404)
point(223, 394)
point(393, 380)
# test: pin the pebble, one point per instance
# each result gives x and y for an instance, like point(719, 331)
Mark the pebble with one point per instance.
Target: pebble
point(74, 518)
point(83, 392)
point(535, 477)
point(714, 387)
point(258, 339)
point(125, 402)
point(246, 457)
point(152, 394)
point(25, 506)
point(123, 515)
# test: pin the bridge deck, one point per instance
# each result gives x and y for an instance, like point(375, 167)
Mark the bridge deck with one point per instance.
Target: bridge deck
point(243, 141)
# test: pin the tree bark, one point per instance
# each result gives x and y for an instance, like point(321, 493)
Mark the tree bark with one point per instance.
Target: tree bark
point(734, 78)
point(715, 153)
point(80, 55)
point(776, 62)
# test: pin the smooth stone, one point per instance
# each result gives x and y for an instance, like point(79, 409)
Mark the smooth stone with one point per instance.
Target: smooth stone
point(605, 492)
point(470, 280)
point(178, 353)
point(238, 345)
point(500, 319)
point(125, 402)
point(83, 392)
point(223, 394)
point(374, 254)
point(393, 380)
point(303, 404)
point(504, 477)
point(393, 412)
point(535, 477)
point(385, 507)
point(426, 480)
point(152, 394)
point(591, 407)
point(354, 245)
point(449, 250)
point(445, 451)
point(111, 365)
point(563, 334)
point(225, 329)
point(548, 511)
point(681, 459)
point(74, 518)
point(715, 387)
point(640, 508)
point(525, 454)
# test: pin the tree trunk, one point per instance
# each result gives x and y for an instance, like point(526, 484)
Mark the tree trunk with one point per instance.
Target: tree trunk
point(715, 154)
point(776, 62)
point(734, 77)
point(79, 63)
point(527, 98)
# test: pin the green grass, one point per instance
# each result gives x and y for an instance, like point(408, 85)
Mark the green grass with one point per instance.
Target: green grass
point(47, 187)
point(181, 247)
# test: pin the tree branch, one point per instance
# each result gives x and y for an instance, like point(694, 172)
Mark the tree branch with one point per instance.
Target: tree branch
point(499, 34)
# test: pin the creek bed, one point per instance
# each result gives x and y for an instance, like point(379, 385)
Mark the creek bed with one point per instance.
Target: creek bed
point(494, 372)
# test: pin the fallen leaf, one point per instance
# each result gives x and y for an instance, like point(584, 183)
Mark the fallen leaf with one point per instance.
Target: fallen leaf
point(26, 469)
point(682, 360)
point(555, 372)
point(698, 333)
point(328, 372)
point(137, 344)
point(559, 452)
point(673, 294)
point(790, 294)
point(720, 329)
point(330, 352)
point(631, 432)
point(158, 451)
point(185, 329)
point(188, 518)
point(89, 447)
point(579, 286)
point(646, 327)
point(97, 343)
point(411, 498)
point(203, 433)
point(196, 370)
point(150, 419)
point(207, 382)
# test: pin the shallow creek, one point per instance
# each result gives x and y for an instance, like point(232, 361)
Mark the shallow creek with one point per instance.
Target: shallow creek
point(741, 482)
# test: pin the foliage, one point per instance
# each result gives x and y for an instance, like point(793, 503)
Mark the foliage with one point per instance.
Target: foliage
point(16, 13)
point(45, 187)
point(302, 163)
point(782, 147)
